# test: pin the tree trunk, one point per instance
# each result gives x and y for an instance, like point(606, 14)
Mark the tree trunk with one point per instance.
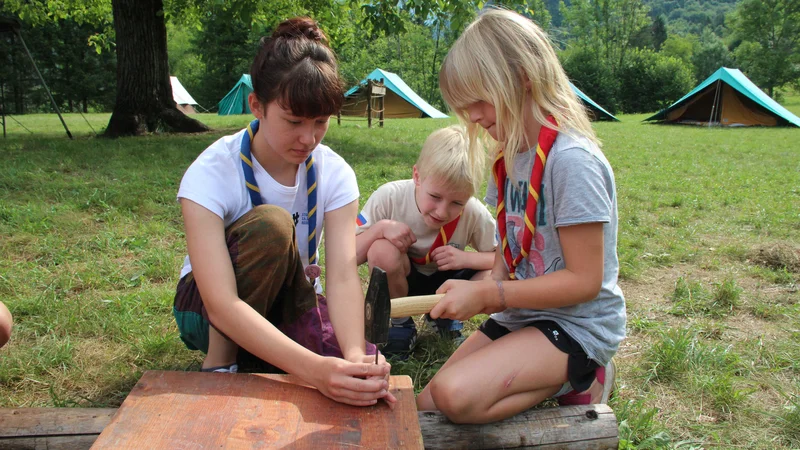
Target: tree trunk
point(144, 95)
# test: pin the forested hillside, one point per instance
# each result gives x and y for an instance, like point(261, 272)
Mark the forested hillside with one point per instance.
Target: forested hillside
point(680, 15)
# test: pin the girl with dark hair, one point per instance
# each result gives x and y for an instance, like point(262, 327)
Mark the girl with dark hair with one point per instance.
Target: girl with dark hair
point(255, 205)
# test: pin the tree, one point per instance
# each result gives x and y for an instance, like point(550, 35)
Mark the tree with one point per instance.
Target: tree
point(659, 32)
point(607, 26)
point(681, 47)
point(144, 94)
point(710, 55)
point(770, 35)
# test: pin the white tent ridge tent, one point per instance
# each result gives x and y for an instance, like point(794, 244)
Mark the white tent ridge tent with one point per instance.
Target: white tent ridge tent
point(183, 100)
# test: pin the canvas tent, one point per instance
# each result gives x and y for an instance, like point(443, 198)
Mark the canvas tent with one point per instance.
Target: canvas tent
point(727, 98)
point(235, 101)
point(183, 100)
point(597, 111)
point(400, 101)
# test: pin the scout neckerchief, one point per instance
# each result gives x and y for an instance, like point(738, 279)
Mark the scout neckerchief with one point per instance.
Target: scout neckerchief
point(312, 271)
point(444, 236)
point(545, 142)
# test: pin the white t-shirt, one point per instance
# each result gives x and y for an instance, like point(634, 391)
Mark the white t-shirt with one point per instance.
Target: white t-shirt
point(215, 180)
point(396, 201)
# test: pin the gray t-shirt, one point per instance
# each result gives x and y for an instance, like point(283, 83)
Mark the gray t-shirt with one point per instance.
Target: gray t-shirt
point(577, 187)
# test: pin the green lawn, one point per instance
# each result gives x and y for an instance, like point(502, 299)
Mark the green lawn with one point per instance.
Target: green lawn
point(91, 242)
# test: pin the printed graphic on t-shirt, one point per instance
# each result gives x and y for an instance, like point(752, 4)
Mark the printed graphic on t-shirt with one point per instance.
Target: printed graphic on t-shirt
point(517, 200)
point(295, 217)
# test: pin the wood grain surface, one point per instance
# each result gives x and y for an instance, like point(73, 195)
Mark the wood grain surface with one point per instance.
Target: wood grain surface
point(188, 410)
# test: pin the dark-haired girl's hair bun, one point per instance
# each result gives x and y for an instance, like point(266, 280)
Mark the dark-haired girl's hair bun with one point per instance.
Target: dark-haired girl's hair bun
point(300, 27)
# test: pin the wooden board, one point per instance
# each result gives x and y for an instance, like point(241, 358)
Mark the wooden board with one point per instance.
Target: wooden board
point(52, 428)
point(565, 427)
point(220, 410)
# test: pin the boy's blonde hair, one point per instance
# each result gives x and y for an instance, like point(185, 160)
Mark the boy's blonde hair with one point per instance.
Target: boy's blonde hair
point(492, 61)
point(445, 157)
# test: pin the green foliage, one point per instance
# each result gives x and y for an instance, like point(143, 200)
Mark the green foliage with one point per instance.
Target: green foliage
point(692, 16)
point(607, 27)
point(770, 51)
point(710, 54)
point(680, 47)
point(590, 73)
point(650, 81)
point(79, 77)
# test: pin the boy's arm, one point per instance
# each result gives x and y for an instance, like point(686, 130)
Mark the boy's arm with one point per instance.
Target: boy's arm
point(395, 232)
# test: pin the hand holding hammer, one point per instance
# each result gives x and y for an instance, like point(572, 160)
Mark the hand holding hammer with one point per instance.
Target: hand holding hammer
point(379, 307)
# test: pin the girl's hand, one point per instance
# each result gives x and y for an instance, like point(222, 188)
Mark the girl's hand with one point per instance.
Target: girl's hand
point(357, 384)
point(399, 234)
point(448, 257)
point(390, 399)
point(464, 299)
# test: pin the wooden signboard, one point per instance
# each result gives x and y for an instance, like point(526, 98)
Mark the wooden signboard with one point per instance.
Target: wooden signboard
point(221, 410)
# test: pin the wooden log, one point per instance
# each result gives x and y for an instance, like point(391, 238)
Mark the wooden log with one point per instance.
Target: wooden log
point(566, 427)
point(52, 428)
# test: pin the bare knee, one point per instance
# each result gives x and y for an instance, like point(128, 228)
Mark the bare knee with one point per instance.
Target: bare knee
point(454, 397)
point(385, 255)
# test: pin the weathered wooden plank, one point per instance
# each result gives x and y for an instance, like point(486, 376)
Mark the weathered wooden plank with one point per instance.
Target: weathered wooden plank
point(77, 442)
point(201, 410)
point(37, 428)
point(34, 422)
point(574, 427)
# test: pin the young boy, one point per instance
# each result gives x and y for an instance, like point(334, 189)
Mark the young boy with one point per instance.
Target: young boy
point(416, 230)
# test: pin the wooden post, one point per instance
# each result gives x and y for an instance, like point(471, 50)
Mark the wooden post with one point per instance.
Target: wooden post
point(381, 103)
point(339, 118)
point(369, 103)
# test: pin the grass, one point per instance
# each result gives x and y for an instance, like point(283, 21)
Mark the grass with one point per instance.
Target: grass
point(91, 243)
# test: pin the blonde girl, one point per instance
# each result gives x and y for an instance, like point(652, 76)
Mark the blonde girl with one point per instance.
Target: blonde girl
point(558, 315)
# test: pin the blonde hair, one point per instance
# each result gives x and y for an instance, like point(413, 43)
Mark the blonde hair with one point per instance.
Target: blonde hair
point(493, 61)
point(445, 157)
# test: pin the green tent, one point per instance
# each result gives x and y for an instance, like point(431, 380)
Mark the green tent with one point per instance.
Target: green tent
point(727, 98)
point(596, 111)
point(235, 102)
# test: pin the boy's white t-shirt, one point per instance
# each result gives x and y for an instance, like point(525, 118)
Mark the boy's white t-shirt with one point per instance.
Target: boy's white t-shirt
point(215, 180)
point(396, 201)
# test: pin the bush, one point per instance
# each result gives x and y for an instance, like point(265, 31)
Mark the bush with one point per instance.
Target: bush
point(650, 81)
point(592, 75)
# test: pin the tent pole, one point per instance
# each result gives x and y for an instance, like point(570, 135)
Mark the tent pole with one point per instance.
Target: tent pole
point(714, 105)
point(43, 83)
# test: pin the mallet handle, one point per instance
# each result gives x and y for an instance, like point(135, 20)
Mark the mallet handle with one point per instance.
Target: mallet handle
point(413, 306)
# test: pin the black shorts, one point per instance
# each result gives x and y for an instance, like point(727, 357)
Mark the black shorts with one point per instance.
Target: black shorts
point(419, 284)
point(580, 369)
